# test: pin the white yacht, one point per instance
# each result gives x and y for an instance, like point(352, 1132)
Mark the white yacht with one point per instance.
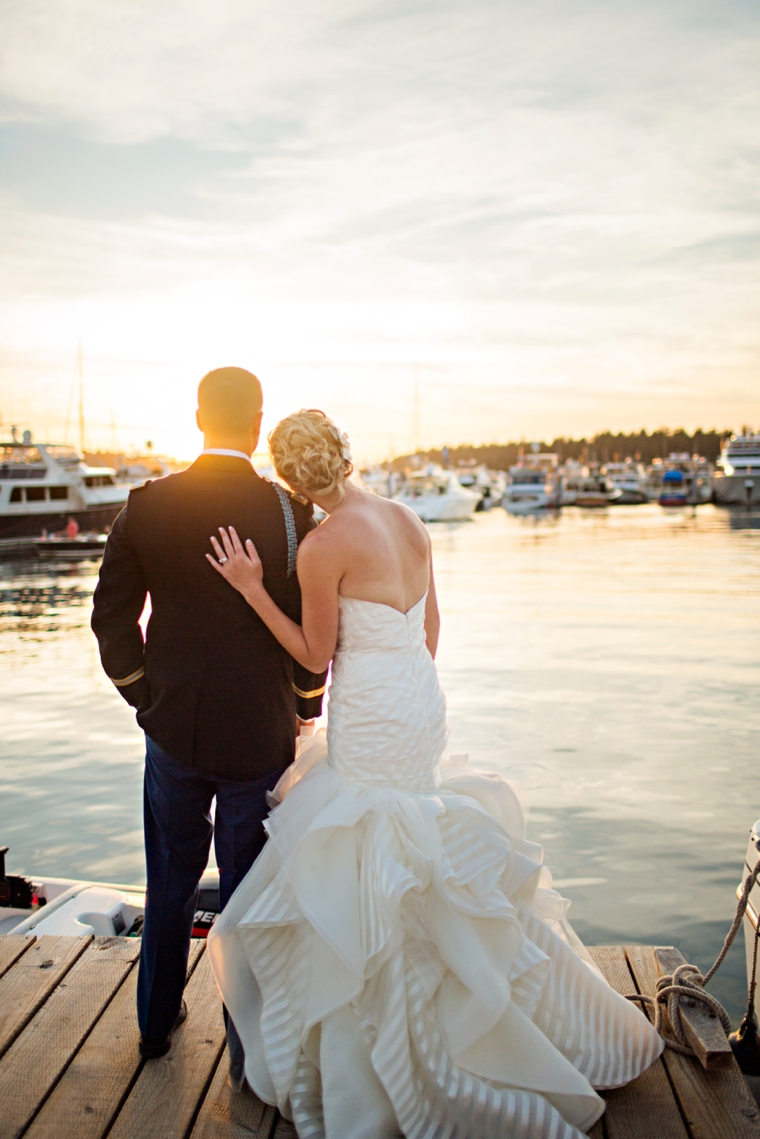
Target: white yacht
point(533, 484)
point(630, 478)
point(438, 496)
point(44, 485)
point(737, 481)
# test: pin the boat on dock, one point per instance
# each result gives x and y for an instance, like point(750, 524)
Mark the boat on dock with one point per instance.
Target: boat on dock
point(43, 486)
point(436, 495)
point(69, 907)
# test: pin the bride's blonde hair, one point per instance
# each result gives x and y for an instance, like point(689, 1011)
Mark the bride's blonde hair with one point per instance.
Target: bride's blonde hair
point(310, 453)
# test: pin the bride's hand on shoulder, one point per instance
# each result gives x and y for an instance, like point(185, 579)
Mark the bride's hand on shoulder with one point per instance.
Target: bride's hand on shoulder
point(238, 564)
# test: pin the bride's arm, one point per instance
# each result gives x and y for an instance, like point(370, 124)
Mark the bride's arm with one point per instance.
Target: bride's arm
point(313, 642)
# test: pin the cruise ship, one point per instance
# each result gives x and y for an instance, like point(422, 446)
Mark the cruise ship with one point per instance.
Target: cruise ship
point(737, 480)
point(44, 485)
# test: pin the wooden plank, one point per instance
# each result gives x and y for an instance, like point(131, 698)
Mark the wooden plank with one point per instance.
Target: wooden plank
point(96, 1083)
point(715, 1104)
point(171, 1088)
point(56, 1032)
point(11, 948)
point(284, 1130)
point(26, 986)
point(645, 1107)
point(236, 1115)
point(701, 1027)
point(597, 1131)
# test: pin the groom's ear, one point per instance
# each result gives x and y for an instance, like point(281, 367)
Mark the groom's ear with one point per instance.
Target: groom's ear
point(198, 419)
point(256, 429)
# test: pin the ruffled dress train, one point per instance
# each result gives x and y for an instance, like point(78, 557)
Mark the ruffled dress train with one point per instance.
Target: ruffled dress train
point(396, 962)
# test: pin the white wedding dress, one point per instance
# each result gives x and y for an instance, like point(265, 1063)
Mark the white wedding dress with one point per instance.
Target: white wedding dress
point(396, 962)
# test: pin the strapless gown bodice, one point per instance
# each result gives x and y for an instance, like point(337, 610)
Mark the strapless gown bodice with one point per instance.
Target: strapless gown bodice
point(384, 688)
point(396, 961)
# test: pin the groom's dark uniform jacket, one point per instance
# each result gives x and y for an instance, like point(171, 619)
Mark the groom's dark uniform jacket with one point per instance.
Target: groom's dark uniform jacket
point(211, 685)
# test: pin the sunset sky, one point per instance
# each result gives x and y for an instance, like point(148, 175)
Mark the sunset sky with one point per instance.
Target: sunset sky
point(548, 213)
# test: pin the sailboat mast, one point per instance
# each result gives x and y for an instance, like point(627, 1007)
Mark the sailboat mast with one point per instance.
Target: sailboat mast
point(81, 399)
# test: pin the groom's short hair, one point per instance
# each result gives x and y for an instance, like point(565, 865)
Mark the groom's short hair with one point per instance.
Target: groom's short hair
point(229, 398)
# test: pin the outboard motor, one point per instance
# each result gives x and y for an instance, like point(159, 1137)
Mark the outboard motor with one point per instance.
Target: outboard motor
point(14, 891)
point(745, 1042)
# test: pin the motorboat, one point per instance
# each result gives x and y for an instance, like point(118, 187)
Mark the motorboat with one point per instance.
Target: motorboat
point(72, 907)
point(533, 484)
point(438, 496)
point(43, 486)
point(737, 481)
point(673, 491)
point(596, 490)
point(530, 490)
point(381, 481)
point(751, 920)
point(139, 469)
point(571, 476)
point(490, 485)
point(630, 478)
point(682, 480)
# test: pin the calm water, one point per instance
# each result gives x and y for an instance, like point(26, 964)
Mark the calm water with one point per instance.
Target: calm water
point(609, 662)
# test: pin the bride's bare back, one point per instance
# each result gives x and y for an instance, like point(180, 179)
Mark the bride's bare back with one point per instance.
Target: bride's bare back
point(382, 548)
point(370, 549)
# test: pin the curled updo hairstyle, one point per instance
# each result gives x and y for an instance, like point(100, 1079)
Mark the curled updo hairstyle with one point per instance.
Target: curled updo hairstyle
point(310, 453)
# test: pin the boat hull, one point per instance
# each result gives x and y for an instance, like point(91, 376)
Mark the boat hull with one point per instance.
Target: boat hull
point(454, 510)
point(629, 497)
point(30, 525)
point(527, 505)
point(593, 501)
point(732, 490)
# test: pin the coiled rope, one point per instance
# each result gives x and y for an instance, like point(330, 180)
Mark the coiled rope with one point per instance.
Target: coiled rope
point(687, 981)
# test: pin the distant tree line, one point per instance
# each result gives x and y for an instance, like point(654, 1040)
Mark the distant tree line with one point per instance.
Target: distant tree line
point(603, 448)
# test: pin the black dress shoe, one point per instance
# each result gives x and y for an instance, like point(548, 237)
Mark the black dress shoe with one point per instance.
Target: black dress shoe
point(152, 1049)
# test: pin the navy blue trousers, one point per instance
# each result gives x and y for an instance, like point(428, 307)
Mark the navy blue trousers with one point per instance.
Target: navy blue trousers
point(178, 831)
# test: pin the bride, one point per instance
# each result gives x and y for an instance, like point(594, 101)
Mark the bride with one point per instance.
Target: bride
point(395, 962)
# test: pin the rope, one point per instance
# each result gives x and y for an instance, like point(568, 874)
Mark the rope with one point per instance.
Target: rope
point(687, 981)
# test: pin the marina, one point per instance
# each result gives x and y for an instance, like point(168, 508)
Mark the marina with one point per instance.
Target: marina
point(67, 1016)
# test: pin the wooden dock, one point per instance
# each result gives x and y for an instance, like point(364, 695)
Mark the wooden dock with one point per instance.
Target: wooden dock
point(70, 1067)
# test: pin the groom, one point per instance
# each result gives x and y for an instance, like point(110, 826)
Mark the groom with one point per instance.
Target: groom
point(219, 700)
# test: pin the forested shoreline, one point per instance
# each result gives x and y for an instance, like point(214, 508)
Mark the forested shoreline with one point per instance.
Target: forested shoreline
point(603, 448)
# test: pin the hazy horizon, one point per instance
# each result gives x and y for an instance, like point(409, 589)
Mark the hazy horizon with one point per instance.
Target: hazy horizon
point(548, 219)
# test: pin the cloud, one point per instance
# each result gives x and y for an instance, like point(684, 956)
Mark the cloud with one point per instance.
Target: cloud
point(537, 192)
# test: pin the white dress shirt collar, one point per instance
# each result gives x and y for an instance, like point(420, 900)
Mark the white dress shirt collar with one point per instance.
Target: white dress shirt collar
point(226, 451)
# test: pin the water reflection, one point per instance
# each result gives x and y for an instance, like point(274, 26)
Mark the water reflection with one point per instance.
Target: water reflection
point(38, 600)
point(607, 661)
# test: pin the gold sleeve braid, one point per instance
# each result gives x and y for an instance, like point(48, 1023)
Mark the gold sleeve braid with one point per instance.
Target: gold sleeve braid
point(125, 680)
point(309, 695)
